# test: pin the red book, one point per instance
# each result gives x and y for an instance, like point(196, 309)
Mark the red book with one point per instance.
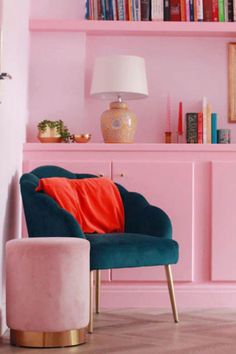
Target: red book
point(175, 13)
point(200, 128)
point(215, 11)
point(207, 10)
point(195, 10)
point(183, 10)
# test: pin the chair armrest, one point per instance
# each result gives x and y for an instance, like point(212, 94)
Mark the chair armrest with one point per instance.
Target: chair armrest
point(141, 217)
point(45, 218)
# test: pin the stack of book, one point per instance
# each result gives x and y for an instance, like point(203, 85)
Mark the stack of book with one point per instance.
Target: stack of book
point(161, 10)
point(201, 127)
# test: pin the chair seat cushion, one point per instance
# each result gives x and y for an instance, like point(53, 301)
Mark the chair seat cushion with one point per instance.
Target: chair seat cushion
point(122, 250)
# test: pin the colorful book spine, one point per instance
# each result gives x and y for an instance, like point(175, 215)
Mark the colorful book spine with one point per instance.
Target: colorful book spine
point(214, 128)
point(207, 10)
point(221, 6)
point(204, 117)
point(103, 9)
point(137, 10)
point(215, 11)
point(157, 10)
point(87, 10)
point(230, 11)
point(175, 14)
point(145, 10)
point(208, 123)
point(187, 10)
point(183, 10)
point(200, 10)
point(114, 8)
point(166, 10)
point(120, 10)
point(191, 10)
point(200, 128)
point(226, 10)
point(191, 128)
point(195, 10)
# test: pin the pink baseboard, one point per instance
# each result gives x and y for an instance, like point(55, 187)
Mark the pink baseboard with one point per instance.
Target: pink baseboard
point(156, 296)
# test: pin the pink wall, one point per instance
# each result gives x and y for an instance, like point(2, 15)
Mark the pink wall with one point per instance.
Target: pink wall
point(189, 68)
point(13, 112)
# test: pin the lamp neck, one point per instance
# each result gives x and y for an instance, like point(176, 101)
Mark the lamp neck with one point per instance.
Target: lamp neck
point(118, 105)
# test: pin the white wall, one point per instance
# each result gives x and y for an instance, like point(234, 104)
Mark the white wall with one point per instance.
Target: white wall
point(13, 118)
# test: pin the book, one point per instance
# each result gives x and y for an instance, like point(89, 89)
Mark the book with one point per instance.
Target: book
point(120, 10)
point(208, 123)
point(191, 10)
point(183, 12)
point(200, 10)
point(215, 11)
point(214, 128)
point(175, 14)
point(145, 10)
point(187, 10)
point(207, 10)
point(166, 10)
point(230, 11)
point(226, 10)
point(221, 6)
point(195, 10)
point(157, 10)
point(191, 128)
point(200, 128)
point(204, 119)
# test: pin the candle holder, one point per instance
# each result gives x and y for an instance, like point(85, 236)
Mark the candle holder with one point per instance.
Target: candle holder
point(180, 138)
point(168, 137)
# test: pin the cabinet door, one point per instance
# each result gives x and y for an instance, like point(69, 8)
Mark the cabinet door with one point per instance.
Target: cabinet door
point(99, 168)
point(223, 221)
point(168, 185)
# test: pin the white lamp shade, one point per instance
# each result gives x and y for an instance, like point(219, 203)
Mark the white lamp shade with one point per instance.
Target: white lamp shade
point(119, 75)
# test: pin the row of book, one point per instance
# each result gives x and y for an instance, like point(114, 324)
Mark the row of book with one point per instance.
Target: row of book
point(199, 131)
point(161, 10)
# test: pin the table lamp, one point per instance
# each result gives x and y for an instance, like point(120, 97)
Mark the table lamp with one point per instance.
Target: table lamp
point(119, 78)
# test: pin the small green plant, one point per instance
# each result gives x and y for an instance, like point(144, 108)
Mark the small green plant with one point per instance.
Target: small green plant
point(61, 129)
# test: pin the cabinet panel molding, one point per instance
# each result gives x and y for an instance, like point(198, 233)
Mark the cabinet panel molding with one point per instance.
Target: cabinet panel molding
point(170, 186)
point(223, 261)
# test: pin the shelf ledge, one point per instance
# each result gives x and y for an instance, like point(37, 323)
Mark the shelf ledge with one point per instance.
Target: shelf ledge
point(135, 28)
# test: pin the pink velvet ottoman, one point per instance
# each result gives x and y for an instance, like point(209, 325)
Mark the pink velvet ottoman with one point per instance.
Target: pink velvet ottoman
point(47, 291)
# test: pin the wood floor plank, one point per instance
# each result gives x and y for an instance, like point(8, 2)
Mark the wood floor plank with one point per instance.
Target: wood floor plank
point(149, 331)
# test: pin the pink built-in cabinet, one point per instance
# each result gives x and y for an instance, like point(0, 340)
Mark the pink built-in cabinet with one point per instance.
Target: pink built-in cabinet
point(195, 185)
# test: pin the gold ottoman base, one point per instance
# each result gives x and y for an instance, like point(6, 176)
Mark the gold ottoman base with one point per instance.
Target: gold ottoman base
point(48, 339)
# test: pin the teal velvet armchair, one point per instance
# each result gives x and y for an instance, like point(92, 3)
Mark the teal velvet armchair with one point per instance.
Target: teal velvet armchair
point(147, 240)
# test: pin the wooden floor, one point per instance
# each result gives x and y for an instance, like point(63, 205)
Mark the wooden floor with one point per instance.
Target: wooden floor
point(152, 331)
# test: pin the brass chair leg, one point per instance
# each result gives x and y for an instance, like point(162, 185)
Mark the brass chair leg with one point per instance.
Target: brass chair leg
point(171, 292)
point(90, 326)
point(98, 285)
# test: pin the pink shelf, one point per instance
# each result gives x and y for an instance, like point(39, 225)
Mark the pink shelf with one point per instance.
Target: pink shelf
point(203, 29)
point(131, 147)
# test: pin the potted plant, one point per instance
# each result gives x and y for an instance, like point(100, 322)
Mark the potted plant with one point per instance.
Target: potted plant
point(53, 131)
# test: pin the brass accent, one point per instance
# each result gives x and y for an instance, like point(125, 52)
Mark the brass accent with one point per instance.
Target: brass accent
point(90, 326)
point(98, 286)
point(168, 139)
point(171, 292)
point(47, 339)
point(81, 138)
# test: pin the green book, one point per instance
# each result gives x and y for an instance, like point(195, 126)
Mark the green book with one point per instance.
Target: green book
point(221, 5)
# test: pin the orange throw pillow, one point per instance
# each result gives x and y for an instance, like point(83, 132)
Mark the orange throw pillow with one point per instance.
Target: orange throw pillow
point(94, 202)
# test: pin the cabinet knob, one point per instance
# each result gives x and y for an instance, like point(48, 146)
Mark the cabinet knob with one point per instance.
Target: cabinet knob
point(122, 174)
point(100, 175)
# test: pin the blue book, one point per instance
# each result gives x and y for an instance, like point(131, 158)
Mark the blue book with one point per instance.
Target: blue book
point(213, 128)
